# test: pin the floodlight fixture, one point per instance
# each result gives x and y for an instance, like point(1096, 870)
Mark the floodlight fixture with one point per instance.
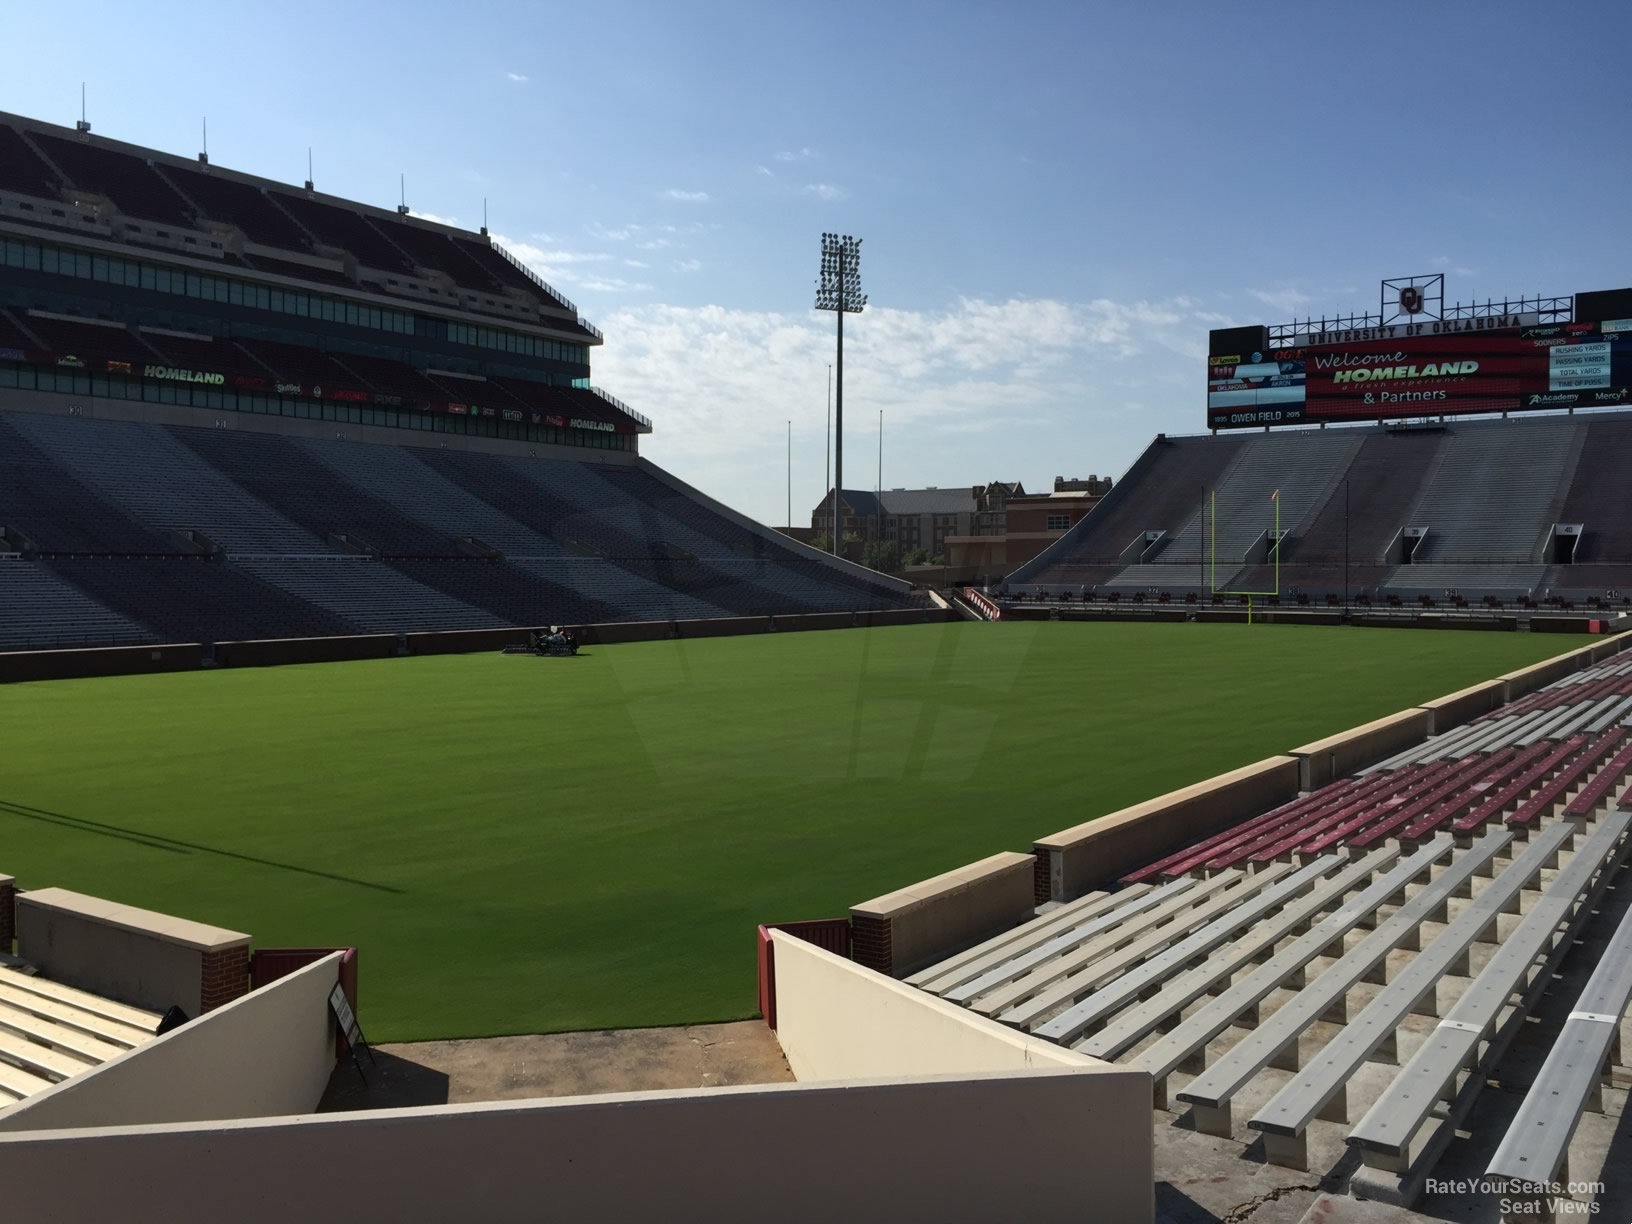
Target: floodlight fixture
point(839, 289)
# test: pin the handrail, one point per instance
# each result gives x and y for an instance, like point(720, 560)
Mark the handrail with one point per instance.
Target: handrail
point(624, 408)
point(981, 604)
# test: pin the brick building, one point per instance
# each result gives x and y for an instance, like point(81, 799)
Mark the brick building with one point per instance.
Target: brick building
point(1024, 524)
point(915, 519)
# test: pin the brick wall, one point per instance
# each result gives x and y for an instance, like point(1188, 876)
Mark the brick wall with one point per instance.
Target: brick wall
point(871, 944)
point(225, 976)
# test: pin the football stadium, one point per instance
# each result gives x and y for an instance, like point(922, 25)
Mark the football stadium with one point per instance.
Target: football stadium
point(1256, 851)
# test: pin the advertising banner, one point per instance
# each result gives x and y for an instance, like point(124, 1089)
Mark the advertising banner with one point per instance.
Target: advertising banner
point(1392, 372)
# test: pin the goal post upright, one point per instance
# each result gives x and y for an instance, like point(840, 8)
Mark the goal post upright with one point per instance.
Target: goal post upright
point(1274, 543)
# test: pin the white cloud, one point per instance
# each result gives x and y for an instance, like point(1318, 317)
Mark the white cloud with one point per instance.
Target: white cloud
point(654, 244)
point(635, 263)
point(435, 218)
point(787, 155)
point(687, 197)
point(688, 265)
point(1450, 266)
point(1285, 299)
point(569, 269)
point(520, 78)
point(611, 284)
point(765, 170)
point(978, 384)
point(824, 191)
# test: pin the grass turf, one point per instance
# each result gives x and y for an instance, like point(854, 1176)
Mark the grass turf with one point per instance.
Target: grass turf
point(533, 845)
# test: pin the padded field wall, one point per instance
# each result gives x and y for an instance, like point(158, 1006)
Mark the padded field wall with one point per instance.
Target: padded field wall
point(18, 666)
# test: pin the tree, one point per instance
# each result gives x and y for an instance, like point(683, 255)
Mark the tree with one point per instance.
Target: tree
point(881, 555)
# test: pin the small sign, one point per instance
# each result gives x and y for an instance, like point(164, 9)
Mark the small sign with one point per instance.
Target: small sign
point(340, 1006)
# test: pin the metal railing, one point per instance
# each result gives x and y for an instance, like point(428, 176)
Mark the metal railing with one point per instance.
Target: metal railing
point(645, 421)
point(535, 278)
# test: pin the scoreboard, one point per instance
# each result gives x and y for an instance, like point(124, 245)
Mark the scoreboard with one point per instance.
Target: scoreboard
point(1435, 367)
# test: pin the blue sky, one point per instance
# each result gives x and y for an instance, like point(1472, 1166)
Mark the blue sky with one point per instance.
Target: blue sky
point(1057, 199)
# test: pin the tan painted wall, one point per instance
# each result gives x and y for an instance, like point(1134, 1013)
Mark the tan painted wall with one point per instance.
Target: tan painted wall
point(837, 1020)
point(938, 916)
point(1611, 646)
point(1029, 1145)
point(1538, 675)
point(1463, 706)
point(134, 955)
point(270, 1052)
point(1347, 751)
point(1088, 854)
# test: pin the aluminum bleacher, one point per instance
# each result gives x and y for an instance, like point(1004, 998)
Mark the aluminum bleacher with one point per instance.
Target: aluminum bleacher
point(1348, 971)
point(129, 182)
point(221, 534)
point(234, 202)
point(147, 472)
point(369, 594)
point(333, 225)
point(39, 610)
point(22, 169)
point(1487, 493)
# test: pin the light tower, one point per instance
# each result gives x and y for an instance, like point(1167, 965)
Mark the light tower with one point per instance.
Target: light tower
point(839, 290)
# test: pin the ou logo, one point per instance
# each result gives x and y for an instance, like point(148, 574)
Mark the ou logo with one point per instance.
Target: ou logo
point(1411, 300)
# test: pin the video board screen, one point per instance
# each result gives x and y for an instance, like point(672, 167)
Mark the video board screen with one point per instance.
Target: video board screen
point(1423, 369)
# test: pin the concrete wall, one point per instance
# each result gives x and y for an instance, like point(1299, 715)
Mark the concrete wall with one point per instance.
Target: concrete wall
point(1463, 706)
point(917, 925)
point(1611, 646)
point(139, 957)
point(1089, 854)
point(268, 1053)
point(1538, 675)
point(127, 660)
point(1046, 1144)
point(837, 1020)
point(21, 665)
point(1347, 751)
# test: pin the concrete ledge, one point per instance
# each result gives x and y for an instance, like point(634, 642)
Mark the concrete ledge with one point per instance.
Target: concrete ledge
point(1463, 706)
point(137, 956)
point(837, 1020)
point(1347, 751)
point(1057, 1144)
point(1539, 675)
point(1089, 854)
point(267, 1053)
point(917, 925)
point(1611, 646)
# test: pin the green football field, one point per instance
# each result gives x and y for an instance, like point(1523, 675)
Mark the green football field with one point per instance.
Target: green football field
point(532, 845)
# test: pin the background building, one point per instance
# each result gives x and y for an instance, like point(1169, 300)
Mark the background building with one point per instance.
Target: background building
point(919, 520)
point(1015, 525)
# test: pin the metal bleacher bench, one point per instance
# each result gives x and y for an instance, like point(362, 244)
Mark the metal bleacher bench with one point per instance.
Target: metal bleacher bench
point(1107, 962)
point(1320, 1089)
point(1149, 975)
point(1398, 1133)
point(1188, 1041)
point(1178, 992)
point(972, 962)
point(1275, 1041)
point(1055, 948)
point(1535, 1149)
